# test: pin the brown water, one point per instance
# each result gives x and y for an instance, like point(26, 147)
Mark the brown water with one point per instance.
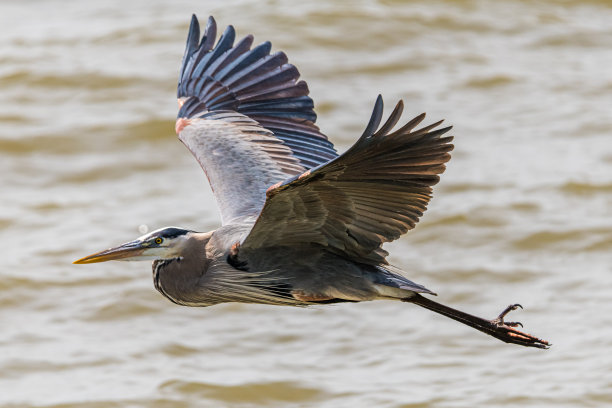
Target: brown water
point(523, 214)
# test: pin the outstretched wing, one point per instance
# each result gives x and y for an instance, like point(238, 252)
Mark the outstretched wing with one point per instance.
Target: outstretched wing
point(245, 117)
point(371, 194)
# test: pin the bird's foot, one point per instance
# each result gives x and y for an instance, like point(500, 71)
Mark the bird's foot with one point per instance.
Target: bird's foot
point(499, 320)
point(506, 331)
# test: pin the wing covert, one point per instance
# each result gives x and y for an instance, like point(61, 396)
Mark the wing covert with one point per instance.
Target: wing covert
point(240, 159)
point(372, 194)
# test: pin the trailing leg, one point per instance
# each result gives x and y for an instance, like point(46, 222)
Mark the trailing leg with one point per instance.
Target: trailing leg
point(497, 328)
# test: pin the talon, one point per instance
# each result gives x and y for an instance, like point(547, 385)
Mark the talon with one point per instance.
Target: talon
point(509, 331)
point(500, 318)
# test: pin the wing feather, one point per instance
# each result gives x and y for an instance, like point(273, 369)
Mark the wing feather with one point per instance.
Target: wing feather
point(256, 98)
point(372, 194)
point(227, 143)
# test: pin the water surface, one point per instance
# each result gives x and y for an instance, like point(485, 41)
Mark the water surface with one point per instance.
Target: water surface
point(523, 214)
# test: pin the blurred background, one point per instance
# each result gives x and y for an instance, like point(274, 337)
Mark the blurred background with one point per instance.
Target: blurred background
point(89, 159)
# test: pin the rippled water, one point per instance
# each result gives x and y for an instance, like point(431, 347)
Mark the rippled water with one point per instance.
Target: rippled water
point(523, 214)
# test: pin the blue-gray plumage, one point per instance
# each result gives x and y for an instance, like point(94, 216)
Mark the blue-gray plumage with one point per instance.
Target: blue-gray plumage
point(301, 225)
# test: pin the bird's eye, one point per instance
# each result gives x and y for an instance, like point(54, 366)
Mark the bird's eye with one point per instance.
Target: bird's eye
point(158, 240)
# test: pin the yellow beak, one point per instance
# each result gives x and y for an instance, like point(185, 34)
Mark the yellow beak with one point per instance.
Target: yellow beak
point(125, 252)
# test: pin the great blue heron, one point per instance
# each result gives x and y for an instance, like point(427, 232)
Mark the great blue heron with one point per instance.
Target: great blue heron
point(302, 225)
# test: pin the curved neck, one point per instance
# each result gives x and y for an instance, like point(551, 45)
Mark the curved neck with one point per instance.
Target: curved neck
point(178, 278)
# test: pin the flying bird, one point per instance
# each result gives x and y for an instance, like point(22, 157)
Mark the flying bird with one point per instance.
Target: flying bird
point(301, 225)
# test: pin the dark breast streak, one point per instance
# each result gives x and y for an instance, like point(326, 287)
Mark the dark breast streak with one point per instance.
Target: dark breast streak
point(158, 265)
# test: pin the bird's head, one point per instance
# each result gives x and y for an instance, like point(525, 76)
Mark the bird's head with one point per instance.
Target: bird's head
point(165, 243)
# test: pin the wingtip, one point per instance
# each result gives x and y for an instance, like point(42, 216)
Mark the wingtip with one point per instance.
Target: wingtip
point(267, 45)
point(210, 22)
point(194, 30)
point(379, 105)
point(436, 124)
point(375, 119)
point(399, 108)
point(392, 120)
point(210, 32)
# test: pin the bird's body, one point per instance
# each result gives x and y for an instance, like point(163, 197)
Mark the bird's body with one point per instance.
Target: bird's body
point(279, 275)
point(301, 225)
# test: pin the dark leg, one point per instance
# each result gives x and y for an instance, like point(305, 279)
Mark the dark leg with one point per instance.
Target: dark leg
point(497, 328)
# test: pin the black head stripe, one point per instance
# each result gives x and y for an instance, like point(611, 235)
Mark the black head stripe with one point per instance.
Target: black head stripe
point(172, 232)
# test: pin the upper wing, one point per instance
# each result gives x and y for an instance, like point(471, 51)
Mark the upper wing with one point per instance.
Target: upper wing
point(371, 194)
point(253, 105)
